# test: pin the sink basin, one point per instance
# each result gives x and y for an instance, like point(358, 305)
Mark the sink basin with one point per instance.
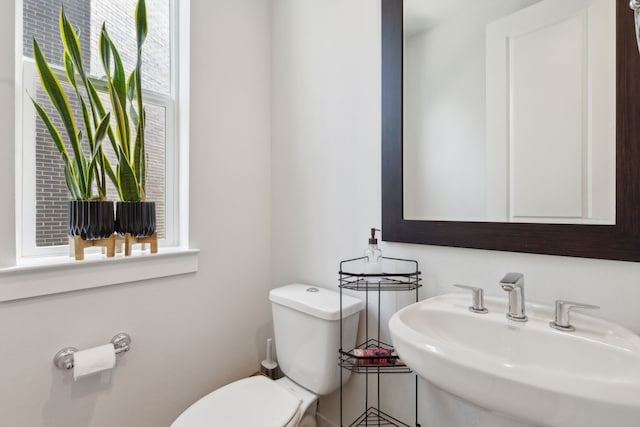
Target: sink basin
point(527, 371)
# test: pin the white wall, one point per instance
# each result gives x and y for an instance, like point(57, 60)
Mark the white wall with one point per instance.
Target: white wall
point(444, 118)
point(326, 189)
point(190, 333)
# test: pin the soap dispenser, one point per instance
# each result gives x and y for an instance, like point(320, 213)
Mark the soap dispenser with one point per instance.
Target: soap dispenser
point(373, 255)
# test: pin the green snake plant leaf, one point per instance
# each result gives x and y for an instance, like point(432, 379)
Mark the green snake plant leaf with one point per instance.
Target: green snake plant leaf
point(131, 85)
point(120, 84)
point(97, 102)
point(102, 183)
point(101, 131)
point(127, 179)
point(71, 184)
point(98, 137)
point(98, 157)
point(139, 155)
point(55, 135)
point(71, 43)
point(53, 88)
point(141, 23)
point(121, 119)
point(93, 169)
point(104, 46)
point(73, 64)
point(70, 70)
point(104, 162)
point(95, 98)
point(87, 122)
point(131, 92)
point(117, 89)
point(118, 78)
point(96, 153)
point(139, 149)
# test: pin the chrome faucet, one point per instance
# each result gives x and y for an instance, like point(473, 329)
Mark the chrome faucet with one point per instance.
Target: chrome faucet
point(514, 284)
point(478, 299)
point(562, 314)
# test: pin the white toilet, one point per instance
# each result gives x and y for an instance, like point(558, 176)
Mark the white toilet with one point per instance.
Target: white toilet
point(306, 322)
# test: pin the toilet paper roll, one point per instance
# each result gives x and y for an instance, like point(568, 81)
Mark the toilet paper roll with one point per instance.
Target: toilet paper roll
point(93, 360)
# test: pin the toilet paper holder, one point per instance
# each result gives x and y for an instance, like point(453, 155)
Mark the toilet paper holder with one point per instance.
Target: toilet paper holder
point(64, 358)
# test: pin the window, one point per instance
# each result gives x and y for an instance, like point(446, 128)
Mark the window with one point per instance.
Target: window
point(43, 212)
point(24, 270)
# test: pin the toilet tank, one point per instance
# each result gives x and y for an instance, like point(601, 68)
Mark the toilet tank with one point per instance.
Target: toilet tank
point(306, 323)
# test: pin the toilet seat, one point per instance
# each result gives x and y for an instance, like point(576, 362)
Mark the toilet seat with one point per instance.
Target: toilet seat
point(253, 401)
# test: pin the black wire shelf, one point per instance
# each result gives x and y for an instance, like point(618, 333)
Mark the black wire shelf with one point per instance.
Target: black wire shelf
point(373, 356)
point(406, 276)
point(375, 417)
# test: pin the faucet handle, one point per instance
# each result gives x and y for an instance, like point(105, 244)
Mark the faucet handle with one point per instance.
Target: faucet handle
point(478, 298)
point(562, 314)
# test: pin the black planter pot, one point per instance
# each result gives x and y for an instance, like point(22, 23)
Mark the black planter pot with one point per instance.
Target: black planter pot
point(136, 218)
point(90, 219)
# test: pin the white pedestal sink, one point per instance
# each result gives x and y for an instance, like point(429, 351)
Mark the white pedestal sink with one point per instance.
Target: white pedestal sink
point(528, 371)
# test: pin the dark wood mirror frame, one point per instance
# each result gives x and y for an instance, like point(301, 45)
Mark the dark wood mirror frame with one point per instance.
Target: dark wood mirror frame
point(617, 242)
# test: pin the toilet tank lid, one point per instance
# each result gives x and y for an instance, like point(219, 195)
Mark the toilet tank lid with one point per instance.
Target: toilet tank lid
point(315, 301)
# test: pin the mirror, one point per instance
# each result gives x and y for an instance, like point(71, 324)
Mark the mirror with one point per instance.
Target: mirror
point(509, 111)
point(619, 240)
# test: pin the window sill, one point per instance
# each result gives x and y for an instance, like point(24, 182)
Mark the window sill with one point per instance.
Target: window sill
point(52, 275)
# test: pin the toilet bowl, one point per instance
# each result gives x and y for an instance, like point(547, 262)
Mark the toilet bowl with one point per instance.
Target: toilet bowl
point(306, 322)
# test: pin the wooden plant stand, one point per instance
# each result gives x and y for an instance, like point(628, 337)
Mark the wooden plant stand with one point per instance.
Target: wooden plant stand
point(129, 241)
point(79, 244)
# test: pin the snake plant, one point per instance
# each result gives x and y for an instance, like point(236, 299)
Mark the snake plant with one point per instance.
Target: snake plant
point(89, 164)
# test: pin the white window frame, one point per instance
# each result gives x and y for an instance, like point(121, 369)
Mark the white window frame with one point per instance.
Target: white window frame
point(30, 83)
point(28, 276)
